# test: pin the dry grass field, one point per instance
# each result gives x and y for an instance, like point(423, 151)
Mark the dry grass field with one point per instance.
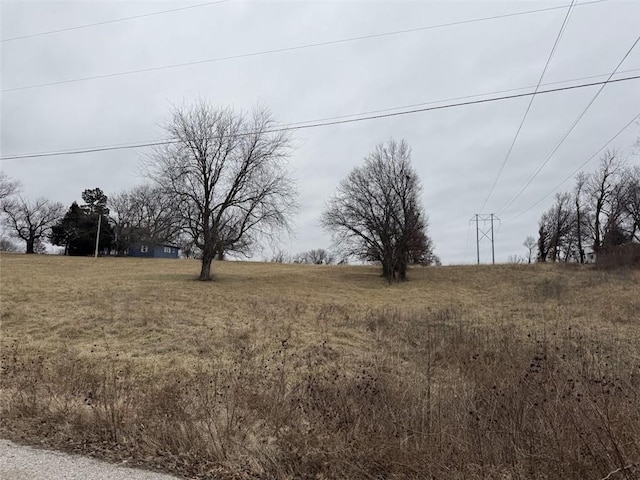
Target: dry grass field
point(301, 371)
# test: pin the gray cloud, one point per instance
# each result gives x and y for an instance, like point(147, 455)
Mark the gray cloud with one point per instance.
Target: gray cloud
point(457, 152)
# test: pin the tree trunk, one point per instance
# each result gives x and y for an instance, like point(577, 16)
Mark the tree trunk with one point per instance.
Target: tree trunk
point(208, 247)
point(388, 270)
point(31, 242)
point(542, 246)
point(596, 227)
point(205, 271)
point(402, 273)
point(579, 230)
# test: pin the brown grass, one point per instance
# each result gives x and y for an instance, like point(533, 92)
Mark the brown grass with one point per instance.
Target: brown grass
point(304, 371)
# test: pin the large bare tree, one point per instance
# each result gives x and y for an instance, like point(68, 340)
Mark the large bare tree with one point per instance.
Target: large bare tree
point(30, 221)
point(375, 213)
point(227, 173)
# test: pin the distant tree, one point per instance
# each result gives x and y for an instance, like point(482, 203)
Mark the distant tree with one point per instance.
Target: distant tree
point(227, 174)
point(603, 211)
point(605, 191)
point(421, 250)
point(74, 232)
point(517, 259)
point(8, 186)
point(143, 213)
point(375, 213)
point(40, 247)
point(280, 256)
point(543, 240)
point(95, 206)
point(121, 219)
point(633, 202)
point(582, 214)
point(6, 245)
point(530, 244)
point(318, 256)
point(615, 236)
point(95, 201)
point(77, 230)
point(555, 240)
point(188, 247)
point(30, 221)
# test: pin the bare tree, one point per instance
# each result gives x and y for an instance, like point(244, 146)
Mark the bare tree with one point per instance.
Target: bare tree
point(30, 221)
point(227, 174)
point(7, 245)
point(121, 213)
point(530, 244)
point(633, 201)
point(8, 186)
point(517, 259)
point(556, 241)
point(606, 192)
point(581, 213)
point(144, 213)
point(375, 213)
point(280, 256)
point(318, 256)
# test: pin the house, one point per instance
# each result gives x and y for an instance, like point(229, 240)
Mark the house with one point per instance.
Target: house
point(152, 250)
point(589, 255)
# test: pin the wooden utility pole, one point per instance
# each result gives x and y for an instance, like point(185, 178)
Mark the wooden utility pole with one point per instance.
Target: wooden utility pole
point(98, 236)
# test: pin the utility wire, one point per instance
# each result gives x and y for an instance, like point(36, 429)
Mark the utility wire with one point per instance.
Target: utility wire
point(337, 117)
point(316, 124)
point(524, 117)
point(582, 165)
point(369, 112)
point(106, 22)
point(289, 49)
point(464, 97)
point(566, 134)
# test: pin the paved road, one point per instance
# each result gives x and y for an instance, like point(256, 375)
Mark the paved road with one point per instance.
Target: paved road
point(25, 463)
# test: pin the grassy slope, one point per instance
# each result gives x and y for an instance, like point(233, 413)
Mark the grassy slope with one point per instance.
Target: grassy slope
point(442, 343)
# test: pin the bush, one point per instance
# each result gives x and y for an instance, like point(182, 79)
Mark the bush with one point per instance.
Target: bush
point(621, 256)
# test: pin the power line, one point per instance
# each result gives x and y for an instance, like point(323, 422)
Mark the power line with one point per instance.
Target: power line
point(582, 165)
point(316, 124)
point(524, 117)
point(289, 49)
point(106, 22)
point(567, 133)
point(369, 112)
point(159, 142)
point(464, 97)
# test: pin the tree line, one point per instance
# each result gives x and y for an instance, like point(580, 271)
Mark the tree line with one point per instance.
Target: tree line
point(221, 184)
point(600, 213)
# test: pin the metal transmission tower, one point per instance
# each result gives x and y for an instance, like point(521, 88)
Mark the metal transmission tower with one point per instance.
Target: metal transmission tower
point(484, 229)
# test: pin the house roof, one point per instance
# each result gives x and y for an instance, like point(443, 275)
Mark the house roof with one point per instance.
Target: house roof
point(160, 244)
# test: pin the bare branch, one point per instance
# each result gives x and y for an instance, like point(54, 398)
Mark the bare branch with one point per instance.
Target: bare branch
point(228, 176)
point(30, 221)
point(375, 213)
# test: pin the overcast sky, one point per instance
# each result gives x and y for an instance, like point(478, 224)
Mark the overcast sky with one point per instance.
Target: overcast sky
point(457, 152)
